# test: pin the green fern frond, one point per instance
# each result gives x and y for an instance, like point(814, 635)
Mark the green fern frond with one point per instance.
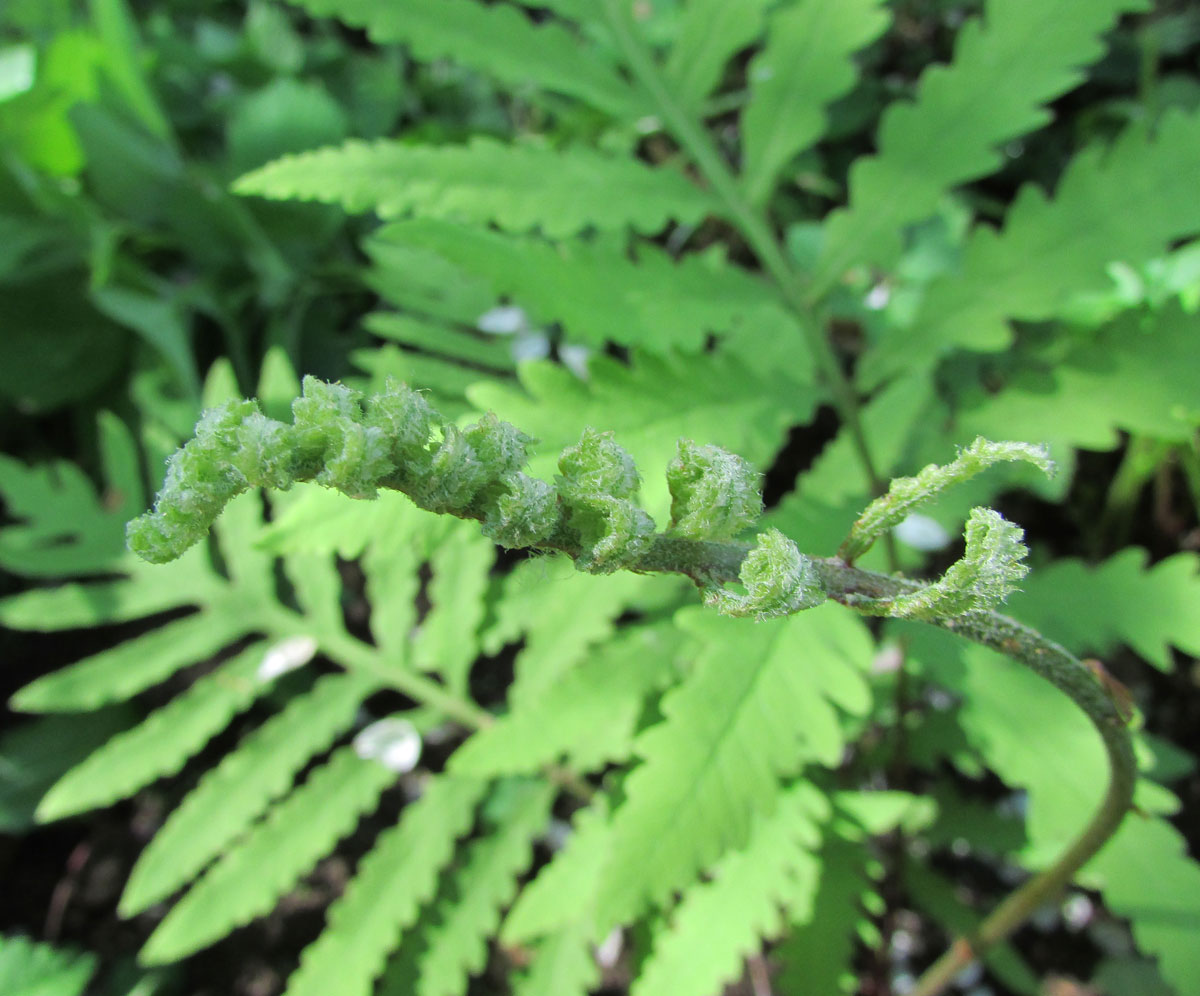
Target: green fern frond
point(818, 955)
point(1119, 601)
point(1124, 204)
point(62, 526)
point(599, 289)
point(387, 892)
point(250, 877)
point(131, 667)
point(515, 187)
point(397, 542)
point(1136, 374)
point(709, 33)
point(28, 968)
point(560, 618)
point(730, 734)
point(495, 39)
point(1147, 876)
point(231, 796)
point(446, 358)
point(586, 717)
point(806, 64)
point(485, 883)
point(563, 965)
point(424, 282)
point(718, 923)
point(563, 895)
point(1011, 60)
point(163, 742)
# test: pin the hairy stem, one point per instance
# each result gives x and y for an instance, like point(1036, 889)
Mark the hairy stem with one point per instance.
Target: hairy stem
point(695, 140)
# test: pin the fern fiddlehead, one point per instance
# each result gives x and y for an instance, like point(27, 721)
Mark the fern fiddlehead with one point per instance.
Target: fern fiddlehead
point(357, 445)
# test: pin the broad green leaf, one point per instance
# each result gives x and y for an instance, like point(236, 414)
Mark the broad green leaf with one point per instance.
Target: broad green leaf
point(760, 702)
point(249, 877)
point(516, 187)
point(386, 893)
point(1011, 60)
point(806, 64)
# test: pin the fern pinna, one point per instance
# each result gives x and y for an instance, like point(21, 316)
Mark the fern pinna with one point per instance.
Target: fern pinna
point(653, 763)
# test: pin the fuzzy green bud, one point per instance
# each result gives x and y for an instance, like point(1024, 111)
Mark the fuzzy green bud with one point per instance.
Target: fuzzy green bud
point(715, 494)
point(598, 465)
point(523, 514)
point(598, 482)
point(778, 578)
point(987, 574)
point(404, 417)
point(454, 475)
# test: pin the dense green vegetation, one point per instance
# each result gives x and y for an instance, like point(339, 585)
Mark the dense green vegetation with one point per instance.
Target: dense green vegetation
point(359, 747)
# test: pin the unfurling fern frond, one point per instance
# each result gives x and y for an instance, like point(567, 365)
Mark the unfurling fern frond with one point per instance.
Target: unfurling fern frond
point(907, 493)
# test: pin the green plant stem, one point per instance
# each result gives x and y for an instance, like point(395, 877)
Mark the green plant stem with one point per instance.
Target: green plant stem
point(695, 140)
